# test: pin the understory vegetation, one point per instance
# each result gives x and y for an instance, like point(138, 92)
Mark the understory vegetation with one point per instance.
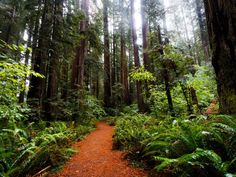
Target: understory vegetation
point(27, 150)
point(27, 146)
point(203, 146)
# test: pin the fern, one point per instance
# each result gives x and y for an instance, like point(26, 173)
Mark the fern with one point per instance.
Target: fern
point(202, 160)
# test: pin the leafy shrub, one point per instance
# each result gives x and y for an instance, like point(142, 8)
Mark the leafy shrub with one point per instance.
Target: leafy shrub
point(86, 107)
point(24, 152)
point(204, 83)
point(131, 131)
point(179, 146)
point(26, 148)
point(199, 163)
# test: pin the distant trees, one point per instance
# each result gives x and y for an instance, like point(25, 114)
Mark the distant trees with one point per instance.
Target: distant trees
point(65, 37)
point(221, 17)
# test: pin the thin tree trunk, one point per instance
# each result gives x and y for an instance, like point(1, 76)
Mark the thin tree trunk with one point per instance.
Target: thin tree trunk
point(167, 88)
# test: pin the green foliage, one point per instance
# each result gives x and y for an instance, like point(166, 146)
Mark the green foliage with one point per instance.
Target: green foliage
point(141, 74)
point(199, 163)
point(131, 109)
point(181, 146)
point(12, 82)
point(204, 83)
point(84, 104)
point(28, 150)
point(159, 103)
point(89, 108)
point(12, 73)
point(131, 131)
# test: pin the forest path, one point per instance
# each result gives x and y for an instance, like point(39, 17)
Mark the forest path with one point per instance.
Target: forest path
point(95, 158)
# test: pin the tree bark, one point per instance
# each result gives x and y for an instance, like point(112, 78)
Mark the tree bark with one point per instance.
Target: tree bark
point(27, 56)
point(114, 67)
point(52, 91)
point(107, 70)
point(221, 22)
point(167, 88)
point(136, 60)
point(146, 60)
point(202, 26)
point(123, 59)
point(37, 92)
point(81, 51)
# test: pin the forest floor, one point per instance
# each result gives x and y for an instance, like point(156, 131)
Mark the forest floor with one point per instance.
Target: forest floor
point(95, 158)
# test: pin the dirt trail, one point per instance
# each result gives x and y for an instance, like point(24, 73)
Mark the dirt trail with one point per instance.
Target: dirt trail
point(95, 158)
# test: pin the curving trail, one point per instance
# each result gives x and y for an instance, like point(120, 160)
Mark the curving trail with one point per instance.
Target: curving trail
point(95, 158)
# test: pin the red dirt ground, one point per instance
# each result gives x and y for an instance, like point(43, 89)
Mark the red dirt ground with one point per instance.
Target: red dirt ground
point(212, 109)
point(95, 158)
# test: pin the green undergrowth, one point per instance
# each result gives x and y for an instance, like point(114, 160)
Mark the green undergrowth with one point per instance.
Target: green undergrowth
point(204, 146)
point(27, 150)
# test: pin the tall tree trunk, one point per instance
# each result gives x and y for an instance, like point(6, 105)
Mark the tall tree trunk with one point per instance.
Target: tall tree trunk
point(221, 22)
point(131, 65)
point(136, 60)
point(27, 56)
point(123, 59)
point(37, 92)
point(56, 54)
point(114, 48)
point(202, 26)
point(146, 60)
point(64, 84)
point(107, 72)
point(81, 51)
point(77, 81)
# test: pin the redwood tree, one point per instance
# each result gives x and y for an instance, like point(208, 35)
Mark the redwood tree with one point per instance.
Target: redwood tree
point(136, 60)
point(123, 58)
point(56, 55)
point(146, 60)
point(107, 74)
point(81, 50)
point(221, 22)
point(40, 58)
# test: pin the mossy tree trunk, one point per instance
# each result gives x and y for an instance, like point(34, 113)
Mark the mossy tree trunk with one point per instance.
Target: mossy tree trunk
point(221, 22)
